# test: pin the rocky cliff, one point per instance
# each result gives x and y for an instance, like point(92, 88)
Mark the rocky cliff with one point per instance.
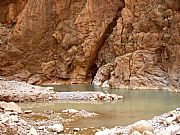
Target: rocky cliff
point(121, 43)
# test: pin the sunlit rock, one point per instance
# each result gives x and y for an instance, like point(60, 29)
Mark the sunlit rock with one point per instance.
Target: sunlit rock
point(10, 106)
point(142, 126)
point(56, 128)
point(33, 131)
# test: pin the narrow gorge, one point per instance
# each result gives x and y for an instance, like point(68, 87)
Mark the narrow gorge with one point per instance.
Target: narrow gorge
point(127, 44)
point(90, 67)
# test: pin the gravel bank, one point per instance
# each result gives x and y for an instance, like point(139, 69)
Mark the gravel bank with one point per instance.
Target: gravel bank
point(21, 91)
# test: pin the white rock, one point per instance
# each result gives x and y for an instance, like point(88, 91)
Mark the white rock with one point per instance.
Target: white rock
point(23, 122)
point(84, 113)
point(27, 111)
point(13, 118)
point(76, 129)
point(10, 106)
point(169, 120)
point(106, 84)
point(105, 132)
point(113, 96)
point(101, 96)
point(50, 88)
point(142, 126)
point(120, 97)
point(57, 128)
point(4, 118)
point(33, 131)
point(147, 133)
point(70, 111)
point(41, 127)
point(171, 130)
point(98, 83)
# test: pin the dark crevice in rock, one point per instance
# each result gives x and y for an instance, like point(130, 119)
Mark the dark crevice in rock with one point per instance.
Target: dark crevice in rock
point(109, 29)
point(93, 71)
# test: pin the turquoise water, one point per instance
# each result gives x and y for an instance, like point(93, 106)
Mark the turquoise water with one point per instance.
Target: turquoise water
point(136, 105)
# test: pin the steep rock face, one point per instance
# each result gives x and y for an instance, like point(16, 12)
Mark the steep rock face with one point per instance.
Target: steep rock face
point(79, 47)
point(133, 43)
point(32, 43)
point(10, 9)
point(58, 40)
point(146, 45)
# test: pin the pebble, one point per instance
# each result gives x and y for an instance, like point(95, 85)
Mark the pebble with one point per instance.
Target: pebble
point(120, 97)
point(76, 129)
point(70, 111)
point(147, 133)
point(41, 127)
point(177, 109)
point(27, 111)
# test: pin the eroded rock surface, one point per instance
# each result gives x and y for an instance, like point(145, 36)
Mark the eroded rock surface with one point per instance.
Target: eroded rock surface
point(10, 9)
point(146, 46)
point(68, 41)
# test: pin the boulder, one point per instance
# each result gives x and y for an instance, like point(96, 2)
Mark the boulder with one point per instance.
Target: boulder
point(169, 120)
point(142, 126)
point(33, 131)
point(10, 106)
point(105, 84)
point(70, 111)
point(57, 128)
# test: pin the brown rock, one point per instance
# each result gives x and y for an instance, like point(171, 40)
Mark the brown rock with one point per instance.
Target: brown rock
point(143, 59)
point(48, 67)
point(10, 9)
point(69, 41)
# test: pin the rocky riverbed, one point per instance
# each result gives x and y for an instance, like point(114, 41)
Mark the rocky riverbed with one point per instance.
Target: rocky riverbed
point(21, 91)
point(165, 124)
point(15, 121)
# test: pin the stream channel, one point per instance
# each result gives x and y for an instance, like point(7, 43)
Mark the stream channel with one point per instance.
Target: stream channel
point(136, 105)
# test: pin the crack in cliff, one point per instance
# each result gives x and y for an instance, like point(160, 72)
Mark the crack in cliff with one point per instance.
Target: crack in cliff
point(108, 31)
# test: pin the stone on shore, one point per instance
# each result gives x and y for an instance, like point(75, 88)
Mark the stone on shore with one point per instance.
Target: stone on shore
point(33, 131)
point(10, 106)
point(57, 128)
point(142, 126)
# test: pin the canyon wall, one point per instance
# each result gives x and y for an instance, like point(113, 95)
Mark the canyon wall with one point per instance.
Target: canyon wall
point(145, 46)
point(117, 43)
point(10, 9)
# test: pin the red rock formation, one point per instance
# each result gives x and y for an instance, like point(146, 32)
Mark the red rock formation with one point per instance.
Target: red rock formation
point(146, 46)
point(10, 9)
point(66, 41)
